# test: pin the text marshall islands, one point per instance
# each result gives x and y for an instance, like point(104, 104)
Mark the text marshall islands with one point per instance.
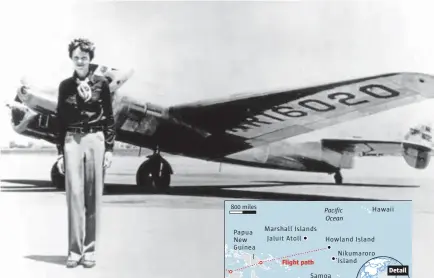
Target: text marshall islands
point(290, 229)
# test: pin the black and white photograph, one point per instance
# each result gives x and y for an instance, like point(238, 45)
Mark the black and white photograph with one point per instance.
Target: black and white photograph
point(127, 126)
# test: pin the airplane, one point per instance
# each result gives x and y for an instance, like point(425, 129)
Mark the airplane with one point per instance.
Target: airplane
point(247, 129)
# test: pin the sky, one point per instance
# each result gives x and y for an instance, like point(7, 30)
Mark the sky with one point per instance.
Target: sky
point(188, 51)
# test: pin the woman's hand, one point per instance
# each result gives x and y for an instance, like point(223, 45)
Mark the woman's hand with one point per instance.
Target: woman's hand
point(108, 156)
point(61, 164)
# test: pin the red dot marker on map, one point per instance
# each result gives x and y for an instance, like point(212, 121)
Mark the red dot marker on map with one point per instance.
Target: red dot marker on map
point(260, 262)
point(230, 271)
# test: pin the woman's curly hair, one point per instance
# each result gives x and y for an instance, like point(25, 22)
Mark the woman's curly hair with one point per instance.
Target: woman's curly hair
point(85, 46)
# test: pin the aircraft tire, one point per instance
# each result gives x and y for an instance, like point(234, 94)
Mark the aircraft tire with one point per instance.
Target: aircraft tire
point(157, 183)
point(338, 177)
point(57, 179)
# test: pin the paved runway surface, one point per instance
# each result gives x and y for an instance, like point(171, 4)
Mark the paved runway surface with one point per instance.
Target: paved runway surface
point(181, 234)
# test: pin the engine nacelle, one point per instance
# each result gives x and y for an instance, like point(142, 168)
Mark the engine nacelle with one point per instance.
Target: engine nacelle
point(28, 122)
point(417, 147)
point(37, 100)
point(21, 116)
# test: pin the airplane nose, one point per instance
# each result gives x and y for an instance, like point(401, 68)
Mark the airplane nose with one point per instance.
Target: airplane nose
point(23, 93)
point(24, 90)
point(17, 115)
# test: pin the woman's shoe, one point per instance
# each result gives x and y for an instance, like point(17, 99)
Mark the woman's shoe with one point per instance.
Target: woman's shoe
point(71, 263)
point(88, 263)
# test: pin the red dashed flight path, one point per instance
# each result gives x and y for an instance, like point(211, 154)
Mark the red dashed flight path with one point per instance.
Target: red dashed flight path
point(275, 259)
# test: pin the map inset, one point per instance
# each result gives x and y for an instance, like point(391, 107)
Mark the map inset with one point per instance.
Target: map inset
point(344, 239)
point(377, 268)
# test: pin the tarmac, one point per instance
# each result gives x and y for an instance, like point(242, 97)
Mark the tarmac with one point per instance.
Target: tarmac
point(180, 234)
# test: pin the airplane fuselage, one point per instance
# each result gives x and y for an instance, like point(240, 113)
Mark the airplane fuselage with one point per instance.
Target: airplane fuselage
point(148, 125)
point(154, 127)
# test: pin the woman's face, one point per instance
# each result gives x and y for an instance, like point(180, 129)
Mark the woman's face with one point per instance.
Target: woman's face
point(81, 61)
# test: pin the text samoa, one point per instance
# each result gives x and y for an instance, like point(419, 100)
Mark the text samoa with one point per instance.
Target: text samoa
point(283, 112)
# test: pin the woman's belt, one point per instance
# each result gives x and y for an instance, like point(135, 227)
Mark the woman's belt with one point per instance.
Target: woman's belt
point(85, 129)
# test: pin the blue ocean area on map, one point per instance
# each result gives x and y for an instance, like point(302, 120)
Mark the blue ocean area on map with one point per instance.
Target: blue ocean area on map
point(317, 239)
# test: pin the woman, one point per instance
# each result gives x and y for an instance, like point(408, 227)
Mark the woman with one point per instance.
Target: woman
point(86, 138)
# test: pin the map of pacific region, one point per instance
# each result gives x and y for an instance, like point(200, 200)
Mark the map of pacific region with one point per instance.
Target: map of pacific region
point(344, 239)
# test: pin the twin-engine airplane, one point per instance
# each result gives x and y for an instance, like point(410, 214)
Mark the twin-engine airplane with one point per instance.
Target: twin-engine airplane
point(247, 129)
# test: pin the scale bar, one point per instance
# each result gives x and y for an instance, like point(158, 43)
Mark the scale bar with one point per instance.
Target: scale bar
point(242, 212)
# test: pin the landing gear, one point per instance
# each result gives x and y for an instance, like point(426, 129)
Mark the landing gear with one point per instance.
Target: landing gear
point(155, 173)
point(338, 177)
point(57, 179)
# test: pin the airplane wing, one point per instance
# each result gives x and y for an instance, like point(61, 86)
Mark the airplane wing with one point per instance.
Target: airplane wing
point(418, 138)
point(363, 147)
point(268, 117)
point(416, 153)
